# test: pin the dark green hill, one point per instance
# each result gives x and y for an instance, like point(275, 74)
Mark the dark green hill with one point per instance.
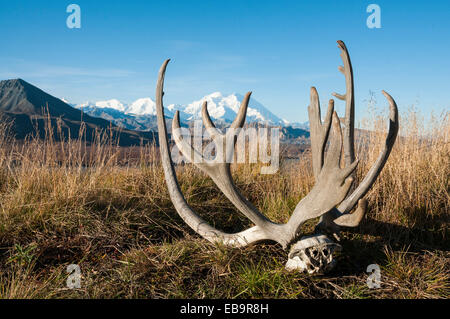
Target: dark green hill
point(29, 108)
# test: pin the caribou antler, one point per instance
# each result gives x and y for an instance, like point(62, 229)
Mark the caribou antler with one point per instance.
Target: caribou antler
point(331, 221)
point(349, 98)
point(331, 187)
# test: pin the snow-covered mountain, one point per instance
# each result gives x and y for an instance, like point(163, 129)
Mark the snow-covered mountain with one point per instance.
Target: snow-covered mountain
point(141, 114)
point(224, 108)
point(112, 104)
point(144, 106)
point(140, 107)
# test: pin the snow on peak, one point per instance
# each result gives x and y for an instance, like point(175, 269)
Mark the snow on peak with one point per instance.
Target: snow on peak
point(85, 104)
point(144, 106)
point(112, 104)
point(220, 107)
point(226, 108)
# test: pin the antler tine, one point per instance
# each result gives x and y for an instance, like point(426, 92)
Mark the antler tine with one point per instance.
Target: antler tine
point(333, 157)
point(237, 123)
point(353, 219)
point(242, 113)
point(349, 203)
point(319, 131)
point(348, 97)
point(199, 225)
point(209, 125)
point(186, 148)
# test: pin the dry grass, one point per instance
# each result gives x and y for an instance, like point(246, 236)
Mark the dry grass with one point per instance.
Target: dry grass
point(65, 203)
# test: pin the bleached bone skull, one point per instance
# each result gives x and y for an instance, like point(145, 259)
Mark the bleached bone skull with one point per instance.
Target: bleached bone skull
point(312, 254)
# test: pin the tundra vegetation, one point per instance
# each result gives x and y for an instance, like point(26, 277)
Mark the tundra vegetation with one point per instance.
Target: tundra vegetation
point(107, 209)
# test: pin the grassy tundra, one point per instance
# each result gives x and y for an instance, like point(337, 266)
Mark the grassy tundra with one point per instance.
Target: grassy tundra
point(107, 209)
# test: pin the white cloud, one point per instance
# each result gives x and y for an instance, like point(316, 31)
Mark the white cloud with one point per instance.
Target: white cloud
point(23, 69)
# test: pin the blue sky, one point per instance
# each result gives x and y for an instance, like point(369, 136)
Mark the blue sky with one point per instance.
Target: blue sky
point(277, 49)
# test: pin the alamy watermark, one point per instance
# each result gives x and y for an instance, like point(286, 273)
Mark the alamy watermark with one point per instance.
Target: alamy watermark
point(374, 279)
point(74, 278)
point(230, 147)
point(374, 19)
point(74, 19)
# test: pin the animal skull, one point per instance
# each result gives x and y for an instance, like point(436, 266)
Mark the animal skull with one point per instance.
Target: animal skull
point(312, 254)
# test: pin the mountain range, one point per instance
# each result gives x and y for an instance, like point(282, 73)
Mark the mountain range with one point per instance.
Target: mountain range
point(141, 114)
point(29, 108)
